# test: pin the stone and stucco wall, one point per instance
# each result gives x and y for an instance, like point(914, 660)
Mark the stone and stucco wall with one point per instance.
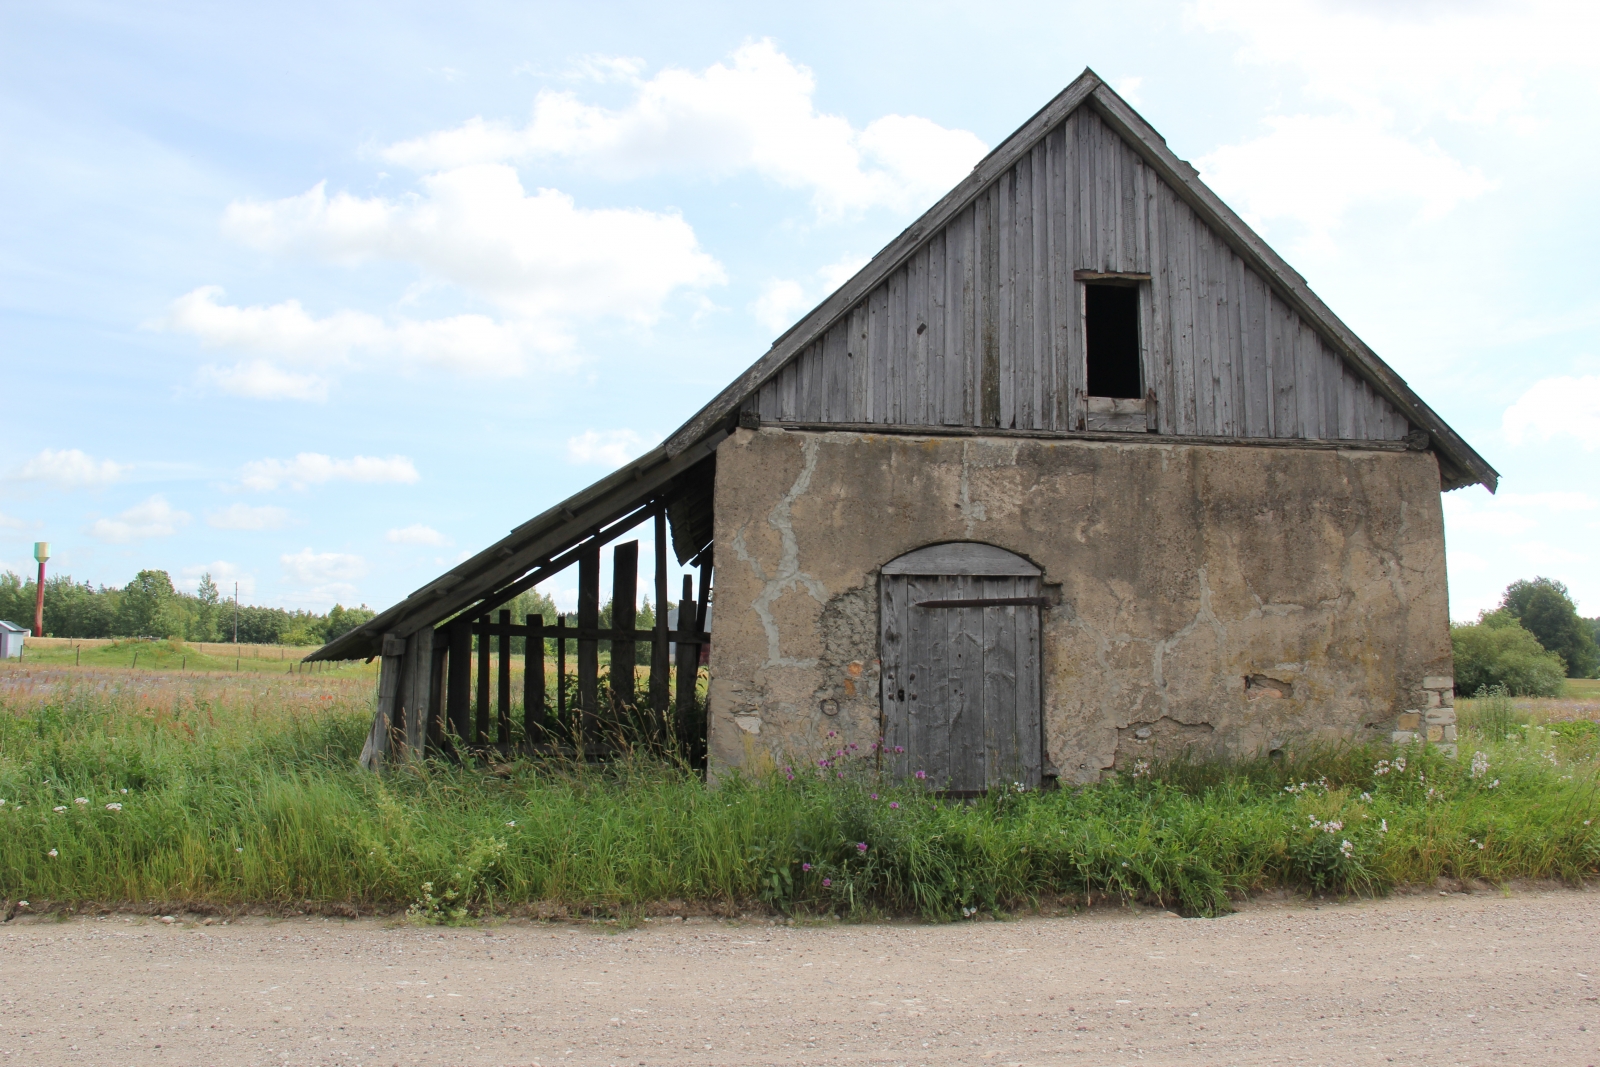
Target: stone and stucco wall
point(1224, 597)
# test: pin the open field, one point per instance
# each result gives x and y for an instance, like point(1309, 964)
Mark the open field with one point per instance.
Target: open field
point(135, 653)
point(159, 789)
point(1428, 978)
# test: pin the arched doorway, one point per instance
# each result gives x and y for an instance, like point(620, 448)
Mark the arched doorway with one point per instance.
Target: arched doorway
point(959, 645)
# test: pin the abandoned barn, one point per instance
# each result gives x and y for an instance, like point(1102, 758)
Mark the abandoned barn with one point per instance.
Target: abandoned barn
point(1076, 472)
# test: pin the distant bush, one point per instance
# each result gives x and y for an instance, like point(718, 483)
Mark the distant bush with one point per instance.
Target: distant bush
point(1498, 651)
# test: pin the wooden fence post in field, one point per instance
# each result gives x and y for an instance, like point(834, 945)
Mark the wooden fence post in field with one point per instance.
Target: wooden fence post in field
point(624, 614)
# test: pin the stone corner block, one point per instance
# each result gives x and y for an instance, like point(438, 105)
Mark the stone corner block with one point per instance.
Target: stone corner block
point(1440, 716)
point(1402, 737)
point(1438, 681)
point(1409, 720)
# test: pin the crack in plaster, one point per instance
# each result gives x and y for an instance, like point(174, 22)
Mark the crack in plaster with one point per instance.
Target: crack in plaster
point(788, 575)
point(972, 511)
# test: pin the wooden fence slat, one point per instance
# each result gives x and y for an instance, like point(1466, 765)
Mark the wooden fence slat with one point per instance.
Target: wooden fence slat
point(480, 733)
point(503, 704)
point(688, 669)
point(533, 717)
point(589, 647)
point(624, 613)
point(659, 666)
point(561, 674)
point(460, 707)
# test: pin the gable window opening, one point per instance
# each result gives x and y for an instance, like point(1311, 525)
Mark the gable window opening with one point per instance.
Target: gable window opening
point(1111, 333)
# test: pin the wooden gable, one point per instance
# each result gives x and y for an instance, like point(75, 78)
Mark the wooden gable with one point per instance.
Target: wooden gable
point(982, 326)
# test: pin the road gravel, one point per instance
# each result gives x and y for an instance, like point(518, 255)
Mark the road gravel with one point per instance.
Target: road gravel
point(1479, 978)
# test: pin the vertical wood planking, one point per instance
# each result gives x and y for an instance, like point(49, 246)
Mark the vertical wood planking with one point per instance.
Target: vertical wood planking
point(688, 670)
point(460, 683)
point(967, 712)
point(589, 646)
point(895, 727)
point(660, 669)
point(624, 616)
point(480, 732)
point(503, 678)
point(533, 704)
point(999, 683)
point(1029, 706)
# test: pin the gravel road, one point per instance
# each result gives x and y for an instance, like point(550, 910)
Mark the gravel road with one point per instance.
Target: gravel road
point(1417, 979)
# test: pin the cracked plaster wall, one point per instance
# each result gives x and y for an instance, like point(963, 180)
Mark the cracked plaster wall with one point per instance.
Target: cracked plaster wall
point(1185, 571)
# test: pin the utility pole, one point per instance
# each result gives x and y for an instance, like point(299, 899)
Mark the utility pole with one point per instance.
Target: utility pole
point(41, 552)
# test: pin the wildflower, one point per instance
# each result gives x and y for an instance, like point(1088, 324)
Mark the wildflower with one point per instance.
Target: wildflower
point(113, 806)
point(967, 913)
point(513, 822)
point(874, 796)
point(1495, 784)
point(841, 774)
point(1383, 826)
point(921, 775)
point(861, 846)
point(823, 763)
point(81, 800)
point(59, 808)
point(805, 866)
point(1333, 827)
point(1366, 798)
point(1400, 765)
point(898, 750)
point(833, 733)
point(238, 850)
point(896, 804)
point(1346, 847)
point(827, 883)
point(790, 777)
point(2, 802)
point(124, 791)
point(1480, 765)
point(52, 853)
point(1141, 769)
point(1124, 863)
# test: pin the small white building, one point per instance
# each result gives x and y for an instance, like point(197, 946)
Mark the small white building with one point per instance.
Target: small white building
point(11, 636)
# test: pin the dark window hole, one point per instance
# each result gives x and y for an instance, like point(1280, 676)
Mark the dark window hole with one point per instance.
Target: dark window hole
point(1112, 334)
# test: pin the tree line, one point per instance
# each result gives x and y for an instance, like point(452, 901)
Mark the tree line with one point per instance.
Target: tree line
point(1529, 644)
point(150, 606)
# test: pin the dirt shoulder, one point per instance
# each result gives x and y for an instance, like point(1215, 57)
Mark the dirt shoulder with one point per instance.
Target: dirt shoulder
point(1412, 979)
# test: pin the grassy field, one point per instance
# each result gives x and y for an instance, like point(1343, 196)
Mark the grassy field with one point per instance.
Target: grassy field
point(134, 653)
point(222, 789)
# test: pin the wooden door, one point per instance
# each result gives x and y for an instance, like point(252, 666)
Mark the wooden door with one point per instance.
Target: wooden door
point(959, 645)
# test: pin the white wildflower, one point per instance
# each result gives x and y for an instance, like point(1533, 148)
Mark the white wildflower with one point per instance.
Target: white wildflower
point(1366, 798)
point(81, 800)
point(124, 791)
point(1383, 826)
point(1400, 765)
point(513, 822)
point(59, 808)
point(1480, 765)
point(1346, 847)
point(1495, 784)
point(113, 806)
point(238, 850)
point(1333, 827)
point(52, 853)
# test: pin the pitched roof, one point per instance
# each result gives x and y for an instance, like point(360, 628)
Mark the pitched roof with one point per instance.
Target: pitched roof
point(1461, 464)
point(546, 540)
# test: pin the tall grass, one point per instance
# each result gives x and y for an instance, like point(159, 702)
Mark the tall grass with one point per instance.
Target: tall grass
point(253, 799)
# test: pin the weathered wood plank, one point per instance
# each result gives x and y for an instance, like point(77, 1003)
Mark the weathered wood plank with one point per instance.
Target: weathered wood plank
point(624, 614)
point(533, 698)
point(896, 726)
point(690, 731)
point(503, 689)
point(588, 647)
point(999, 685)
point(660, 668)
point(461, 680)
point(968, 754)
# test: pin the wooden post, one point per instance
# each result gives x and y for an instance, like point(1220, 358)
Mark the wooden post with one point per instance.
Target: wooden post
point(688, 668)
point(533, 682)
point(624, 613)
point(460, 684)
point(561, 675)
point(480, 733)
point(659, 665)
point(588, 644)
point(503, 704)
point(437, 708)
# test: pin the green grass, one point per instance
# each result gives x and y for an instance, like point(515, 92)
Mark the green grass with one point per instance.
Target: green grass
point(234, 797)
point(1583, 688)
point(172, 655)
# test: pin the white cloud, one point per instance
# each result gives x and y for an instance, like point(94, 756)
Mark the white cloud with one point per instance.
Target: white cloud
point(71, 469)
point(539, 256)
point(416, 534)
point(1128, 88)
point(1465, 62)
point(223, 573)
point(754, 113)
point(8, 522)
point(152, 518)
point(611, 448)
point(324, 576)
point(780, 303)
point(1543, 554)
point(1311, 170)
point(245, 517)
point(1556, 407)
point(313, 468)
point(260, 380)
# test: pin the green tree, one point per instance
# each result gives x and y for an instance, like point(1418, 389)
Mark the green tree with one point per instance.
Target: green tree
point(150, 607)
point(1497, 650)
point(341, 620)
point(206, 610)
point(1545, 609)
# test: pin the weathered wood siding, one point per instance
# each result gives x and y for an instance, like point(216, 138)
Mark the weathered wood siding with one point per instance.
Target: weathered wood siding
point(983, 325)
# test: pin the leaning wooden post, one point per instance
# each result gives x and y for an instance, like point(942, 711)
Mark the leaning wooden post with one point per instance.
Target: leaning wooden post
point(589, 642)
point(533, 682)
point(688, 668)
point(380, 738)
point(480, 733)
point(660, 666)
point(503, 703)
point(624, 614)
